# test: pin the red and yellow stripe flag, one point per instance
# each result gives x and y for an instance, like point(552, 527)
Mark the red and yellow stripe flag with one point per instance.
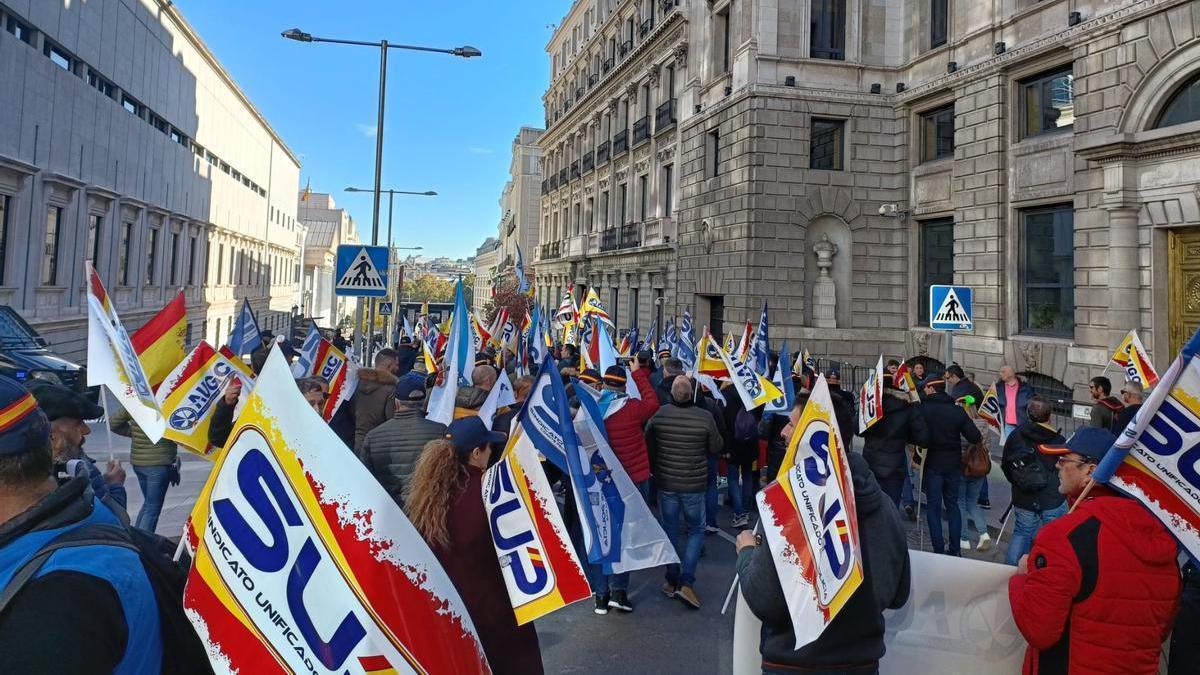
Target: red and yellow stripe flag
point(160, 343)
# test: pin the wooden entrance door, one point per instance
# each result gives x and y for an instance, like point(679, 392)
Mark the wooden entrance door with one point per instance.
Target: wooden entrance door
point(1185, 286)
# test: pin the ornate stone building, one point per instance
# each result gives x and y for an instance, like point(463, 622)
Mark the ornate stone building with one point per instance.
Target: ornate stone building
point(520, 202)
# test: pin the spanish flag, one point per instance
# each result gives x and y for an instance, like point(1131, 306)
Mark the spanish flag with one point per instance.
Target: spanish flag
point(160, 343)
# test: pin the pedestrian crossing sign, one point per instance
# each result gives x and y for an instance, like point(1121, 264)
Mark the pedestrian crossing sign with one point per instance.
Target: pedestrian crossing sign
point(361, 271)
point(950, 308)
point(385, 309)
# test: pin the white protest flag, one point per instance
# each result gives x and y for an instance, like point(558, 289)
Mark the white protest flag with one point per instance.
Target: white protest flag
point(870, 399)
point(500, 396)
point(810, 523)
point(113, 362)
point(305, 564)
point(458, 361)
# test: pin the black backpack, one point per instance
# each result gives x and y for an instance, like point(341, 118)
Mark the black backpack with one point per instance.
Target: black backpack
point(1029, 474)
point(182, 650)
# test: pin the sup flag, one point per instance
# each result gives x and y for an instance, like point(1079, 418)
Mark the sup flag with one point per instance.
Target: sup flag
point(1155, 458)
point(754, 389)
point(687, 341)
point(810, 522)
point(989, 408)
point(307, 355)
point(190, 393)
point(113, 361)
point(245, 336)
point(538, 562)
point(760, 350)
point(870, 399)
point(1131, 357)
point(304, 564)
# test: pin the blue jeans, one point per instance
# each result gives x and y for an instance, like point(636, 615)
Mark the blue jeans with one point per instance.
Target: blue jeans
point(710, 495)
point(968, 504)
point(741, 486)
point(690, 505)
point(908, 496)
point(941, 491)
point(983, 493)
point(153, 480)
point(603, 583)
point(1026, 526)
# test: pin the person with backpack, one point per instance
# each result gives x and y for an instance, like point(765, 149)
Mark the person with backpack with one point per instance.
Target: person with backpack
point(1035, 496)
point(79, 592)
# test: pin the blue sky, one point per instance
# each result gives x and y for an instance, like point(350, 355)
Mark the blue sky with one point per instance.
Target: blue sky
point(449, 122)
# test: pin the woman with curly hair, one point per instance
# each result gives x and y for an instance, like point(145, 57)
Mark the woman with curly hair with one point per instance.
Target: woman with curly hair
point(445, 504)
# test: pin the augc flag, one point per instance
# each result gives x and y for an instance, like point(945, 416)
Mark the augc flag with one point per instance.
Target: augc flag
point(810, 523)
point(754, 389)
point(304, 564)
point(1131, 357)
point(190, 393)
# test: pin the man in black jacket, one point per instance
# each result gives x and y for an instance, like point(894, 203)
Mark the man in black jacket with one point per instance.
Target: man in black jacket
point(884, 443)
point(406, 356)
point(390, 450)
point(1034, 477)
point(949, 425)
point(1131, 397)
point(680, 438)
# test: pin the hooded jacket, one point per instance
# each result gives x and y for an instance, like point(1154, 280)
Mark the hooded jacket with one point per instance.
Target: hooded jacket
point(391, 449)
point(902, 424)
point(1101, 590)
point(625, 429)
point(855, 637)
point(1021, 445)
point(374, 401)
point(679, 438)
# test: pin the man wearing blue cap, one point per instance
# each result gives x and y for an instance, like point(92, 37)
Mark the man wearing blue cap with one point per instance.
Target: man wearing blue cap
point(1099, 589)
point(83, 609)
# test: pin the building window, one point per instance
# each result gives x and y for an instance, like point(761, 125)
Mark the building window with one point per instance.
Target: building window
point(132, 106)
point(591, 213)
point(623, 195)
point(1184, 105)
point(828, 36)
point(825, 148)
point(633, 308)
point(1047, 270)
point(604, 209)
point(3, 235)
point(50, 259)
point(151, 251)
point(936, 261)
point(668, 196)
point(92, 249)
point(20, 30)
point(220, 262)
point(722, 27)
point(191, 271)
point(101, 85)
point(616, 299)
point(937, 134)
point(57, 56)
point(174, 258)
point(939, 21)
point(644, 195)
point(126, 253)
point(712, 153)
point(1048, 102)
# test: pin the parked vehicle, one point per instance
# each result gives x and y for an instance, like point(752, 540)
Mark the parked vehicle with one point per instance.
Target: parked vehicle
point(25, 356)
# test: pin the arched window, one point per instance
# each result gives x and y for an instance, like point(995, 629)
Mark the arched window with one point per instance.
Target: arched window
point(1184, 105)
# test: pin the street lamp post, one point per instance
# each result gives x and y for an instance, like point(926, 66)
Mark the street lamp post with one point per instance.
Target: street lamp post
point(465, 51)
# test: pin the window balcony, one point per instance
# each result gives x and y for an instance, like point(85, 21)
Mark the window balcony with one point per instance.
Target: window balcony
point(576, 172)
point(553, 181)
point(602, 153)
point(609, 240)
point(562, 177)
point(664, 116)
point(645, 28)
point(641, 131)
point(545, 186)
point(626, 47)
point(592, 80)
point(589, 162)
point(659, 231)
point(620, 143)
point(631, 235)
point(668, 6)
point(579, 92)
point(608, 65)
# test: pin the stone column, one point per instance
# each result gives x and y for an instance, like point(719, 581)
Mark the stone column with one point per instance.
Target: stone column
point(824, 311)
point(1123, 271)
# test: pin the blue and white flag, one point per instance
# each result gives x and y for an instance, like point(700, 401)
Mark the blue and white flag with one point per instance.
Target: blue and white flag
point(687, 342)
point(306, 358)
point(523, 285)
point(408, 329)
point(245, 337)
point(651, 341)
point(783, 380)
point(669, 340)
point(608, 355)
point(458, 363)
point(760, 351)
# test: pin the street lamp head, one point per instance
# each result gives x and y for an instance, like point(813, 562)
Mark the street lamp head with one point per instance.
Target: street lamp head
point(297, 35)
point(467, 52)
point(354, 189)
point(429, 193)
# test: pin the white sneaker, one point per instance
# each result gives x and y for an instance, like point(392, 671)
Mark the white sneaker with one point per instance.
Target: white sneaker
point(964, 544)
point(985, 542)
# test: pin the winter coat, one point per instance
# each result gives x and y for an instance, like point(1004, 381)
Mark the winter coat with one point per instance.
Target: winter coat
point(1104, 412)
point(626, 429)
point(391, 449)
point(855, 637)
point(468, 401)
point(679, 438)
point(1024, 396)
point(258, 358)
point(663, 389)
point(374, 401)
point(222, 423)
point(1101, 591)
point(470, 562)
point(1124, 417)
point(406, 359)
point(1021, 445)
point(966, 387)
point(844, 411)
point(142, 452)
point(738, 452)
point(902, 424)
point(770, 429)
point(948, 426)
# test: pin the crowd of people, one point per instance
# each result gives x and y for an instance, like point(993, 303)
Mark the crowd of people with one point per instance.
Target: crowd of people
point(674, 439)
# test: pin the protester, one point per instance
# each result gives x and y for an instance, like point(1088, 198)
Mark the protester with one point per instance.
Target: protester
point(258, 357)
point(853, 641)
point(372, 399)
point(919, 376)
point(67, 409)
point(1131, 396)
point(771, 430)
point(680, 437)
point(1098, 591)
point(843, 406)
point(740, 455)
point(1036, 499)
point(407, 354)
point(884, 443)
point(570, 357)
point(705, 400)
point(1106, 407)
point(469, 400)
point(504, 418)
point(445, 504)
point(948, 425)
point(1014, 395)
point(968, 494)
point(959, 387)
point(1185, 636)
point(156, 466)
point(671, 369)
point(391, 449)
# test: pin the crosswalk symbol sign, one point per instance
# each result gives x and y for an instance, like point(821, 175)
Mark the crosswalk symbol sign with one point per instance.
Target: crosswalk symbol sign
point(950, 308)
point(385, 309)
point(362, 271)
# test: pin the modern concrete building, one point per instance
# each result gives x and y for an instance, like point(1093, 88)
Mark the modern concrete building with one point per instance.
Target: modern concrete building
point(125, 142)
point(485, 262)
point(621, 88)
point(327, 228)
point(520, 203)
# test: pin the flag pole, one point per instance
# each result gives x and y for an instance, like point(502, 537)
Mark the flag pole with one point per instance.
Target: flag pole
point(107, 426)
point(736, 576)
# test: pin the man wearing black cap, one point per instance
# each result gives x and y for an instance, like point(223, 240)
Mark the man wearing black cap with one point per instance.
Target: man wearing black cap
point(391, 449)
point(948, 426)
point(85, 609)
point(1098, 591)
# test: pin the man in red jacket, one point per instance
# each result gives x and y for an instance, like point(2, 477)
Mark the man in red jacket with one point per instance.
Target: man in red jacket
point(1098, 591)
point(625, 428)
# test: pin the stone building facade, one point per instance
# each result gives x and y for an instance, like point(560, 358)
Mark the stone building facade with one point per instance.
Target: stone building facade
point(486, 260)
point(1044, 153)
point(520, 202)
point(125, 142)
